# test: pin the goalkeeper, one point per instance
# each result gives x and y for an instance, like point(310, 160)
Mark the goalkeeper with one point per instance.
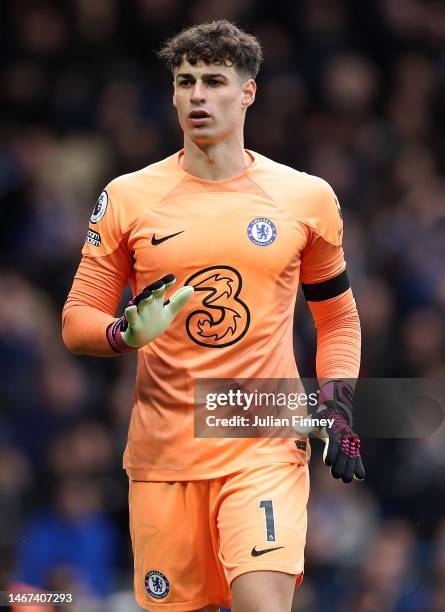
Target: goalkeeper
point(217, 522)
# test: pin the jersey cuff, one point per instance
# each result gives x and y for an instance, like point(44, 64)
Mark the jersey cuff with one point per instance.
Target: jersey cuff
point(317, 292)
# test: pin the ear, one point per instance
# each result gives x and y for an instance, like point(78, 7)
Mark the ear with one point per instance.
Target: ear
point(249, 91)
point(174, 97)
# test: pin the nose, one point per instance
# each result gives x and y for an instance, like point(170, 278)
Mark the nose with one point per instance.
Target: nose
point(198, 93)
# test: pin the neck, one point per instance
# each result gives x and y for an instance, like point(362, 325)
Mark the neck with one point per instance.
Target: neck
point(216, 161)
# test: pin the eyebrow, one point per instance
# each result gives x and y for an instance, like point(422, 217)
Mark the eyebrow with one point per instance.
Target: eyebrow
point(205, 75)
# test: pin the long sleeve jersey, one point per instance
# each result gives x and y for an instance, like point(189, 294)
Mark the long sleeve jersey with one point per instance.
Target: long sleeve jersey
point(244, 244)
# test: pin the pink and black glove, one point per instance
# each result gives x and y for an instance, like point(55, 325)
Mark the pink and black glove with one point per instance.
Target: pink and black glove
point(342, 445)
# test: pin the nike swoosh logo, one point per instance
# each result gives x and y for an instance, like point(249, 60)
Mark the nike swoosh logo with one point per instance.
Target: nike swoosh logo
point(155, 241)
point(257, 553)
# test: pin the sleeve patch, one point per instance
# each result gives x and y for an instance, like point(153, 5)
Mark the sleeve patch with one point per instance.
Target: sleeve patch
point(317, 292)
point(100, 208)
point(93, 238)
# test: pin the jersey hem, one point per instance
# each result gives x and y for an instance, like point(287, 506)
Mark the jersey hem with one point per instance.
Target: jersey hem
point(157, 475)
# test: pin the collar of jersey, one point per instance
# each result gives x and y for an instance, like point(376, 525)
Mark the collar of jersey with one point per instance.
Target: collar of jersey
point(221, 181)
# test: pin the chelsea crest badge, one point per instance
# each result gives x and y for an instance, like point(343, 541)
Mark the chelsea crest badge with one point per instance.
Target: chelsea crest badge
point(261, 231)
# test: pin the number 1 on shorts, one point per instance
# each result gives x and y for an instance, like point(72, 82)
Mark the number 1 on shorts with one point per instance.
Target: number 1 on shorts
point(270, 521)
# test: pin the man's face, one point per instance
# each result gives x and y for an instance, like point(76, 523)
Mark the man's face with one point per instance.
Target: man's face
point(211, 100)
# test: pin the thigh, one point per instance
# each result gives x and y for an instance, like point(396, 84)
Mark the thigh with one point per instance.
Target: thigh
point(262, 520)
point(263, 591)
point(175, 567)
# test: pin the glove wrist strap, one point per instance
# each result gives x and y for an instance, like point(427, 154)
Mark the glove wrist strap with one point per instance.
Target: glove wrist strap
point(340, 392)
point(114, 337)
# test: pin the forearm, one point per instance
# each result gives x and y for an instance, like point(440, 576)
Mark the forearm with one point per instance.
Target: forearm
point(84, 330)
point(338, 337)
point(338, 358)
point(91, 304)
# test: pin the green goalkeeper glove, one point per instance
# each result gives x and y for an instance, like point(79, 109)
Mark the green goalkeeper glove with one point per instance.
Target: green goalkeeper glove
point(147, 316)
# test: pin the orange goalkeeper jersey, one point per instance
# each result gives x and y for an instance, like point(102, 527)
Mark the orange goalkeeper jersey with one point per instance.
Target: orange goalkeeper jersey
point(244, 243)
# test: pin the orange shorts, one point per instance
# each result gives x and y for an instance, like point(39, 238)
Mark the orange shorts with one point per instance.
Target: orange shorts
point(191, 539)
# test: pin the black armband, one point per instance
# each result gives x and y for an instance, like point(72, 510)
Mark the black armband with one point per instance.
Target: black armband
point(317, 292)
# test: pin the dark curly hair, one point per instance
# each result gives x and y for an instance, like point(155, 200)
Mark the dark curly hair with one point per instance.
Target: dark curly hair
point(219, 42)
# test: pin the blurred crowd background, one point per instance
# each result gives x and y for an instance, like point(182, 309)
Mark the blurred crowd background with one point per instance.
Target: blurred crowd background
point(350, 91)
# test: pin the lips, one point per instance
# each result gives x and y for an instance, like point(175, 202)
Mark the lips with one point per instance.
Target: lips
point(199, 114)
